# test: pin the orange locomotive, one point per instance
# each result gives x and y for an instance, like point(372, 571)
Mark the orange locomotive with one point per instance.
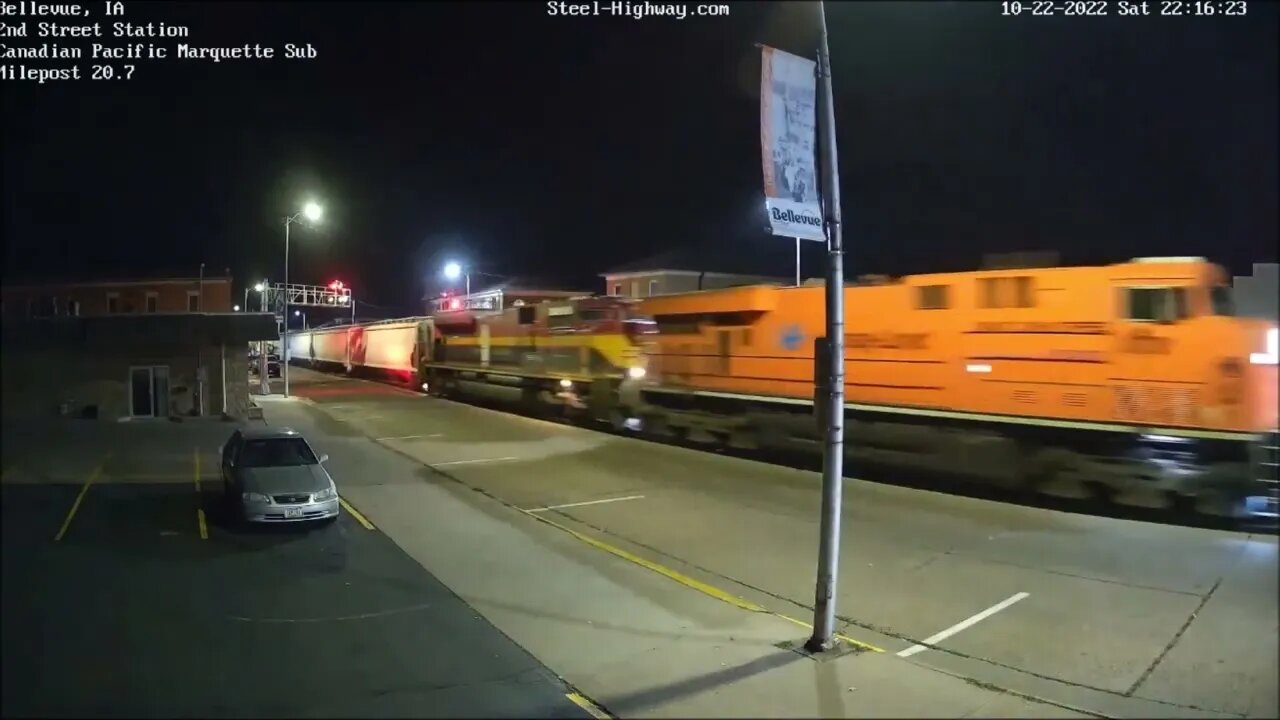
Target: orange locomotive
point(1134, 380)
point(569, 354)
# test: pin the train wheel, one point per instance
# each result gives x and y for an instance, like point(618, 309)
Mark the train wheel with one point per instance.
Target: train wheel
point(1055, 472)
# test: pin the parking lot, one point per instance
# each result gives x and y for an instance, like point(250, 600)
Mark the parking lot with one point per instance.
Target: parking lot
point(127, 593)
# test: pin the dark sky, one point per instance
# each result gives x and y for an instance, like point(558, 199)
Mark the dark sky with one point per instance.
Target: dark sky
point(529, 144)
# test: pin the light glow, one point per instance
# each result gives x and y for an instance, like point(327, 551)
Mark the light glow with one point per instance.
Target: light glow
point(452, 271)
point(978, 368)
point(312, 212)
point(635, 373)
point(1271, 356)
point(566, 383)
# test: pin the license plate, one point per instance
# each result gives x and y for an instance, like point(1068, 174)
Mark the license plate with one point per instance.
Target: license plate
point(292, 512)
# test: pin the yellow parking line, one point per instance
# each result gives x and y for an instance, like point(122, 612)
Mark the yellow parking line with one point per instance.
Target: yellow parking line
point(355, 513)
point(594, 710)
point(204, 527)
point(842, 638)
point(80, 498)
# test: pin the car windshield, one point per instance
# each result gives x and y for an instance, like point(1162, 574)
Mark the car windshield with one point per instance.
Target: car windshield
point(277, 452)
point(1223, 303)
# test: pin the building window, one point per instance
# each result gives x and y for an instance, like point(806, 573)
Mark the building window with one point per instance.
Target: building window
point(653, 288)
point(153, 301)
point(73, 307)
point(931, 297)
point(113, 302)
point(617, 290)
point(193, 301)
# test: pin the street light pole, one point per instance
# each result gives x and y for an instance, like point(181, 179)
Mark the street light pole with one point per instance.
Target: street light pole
point(284, 342)
point(824, 609)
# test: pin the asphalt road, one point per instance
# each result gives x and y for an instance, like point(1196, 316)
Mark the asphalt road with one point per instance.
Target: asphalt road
point(1081, 608)
point(139, 611)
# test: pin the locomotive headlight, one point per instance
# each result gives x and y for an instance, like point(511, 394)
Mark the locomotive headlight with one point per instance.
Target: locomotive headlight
point(566, 383)
point(635, 373)
point(1271, 355)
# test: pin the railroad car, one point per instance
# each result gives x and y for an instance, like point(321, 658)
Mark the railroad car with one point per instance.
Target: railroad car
point(568, 354)
point(1134, 381)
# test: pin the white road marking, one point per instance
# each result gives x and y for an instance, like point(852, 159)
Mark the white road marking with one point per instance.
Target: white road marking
point(474, 462)
point(588, 502)
point(969, 622)
point(411, 437)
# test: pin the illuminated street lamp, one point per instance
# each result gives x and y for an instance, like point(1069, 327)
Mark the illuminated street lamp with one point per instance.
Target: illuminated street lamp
point(311, 213)
point(261, 299)
point(236, 308)
point(453, 270)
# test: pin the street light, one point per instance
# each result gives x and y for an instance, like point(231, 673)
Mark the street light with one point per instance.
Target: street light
point(451, 272)
point(311, 212)
point(236, 308)
point(261, 300)
point(299, 313)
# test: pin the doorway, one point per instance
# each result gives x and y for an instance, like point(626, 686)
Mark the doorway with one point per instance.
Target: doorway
point(149, 391)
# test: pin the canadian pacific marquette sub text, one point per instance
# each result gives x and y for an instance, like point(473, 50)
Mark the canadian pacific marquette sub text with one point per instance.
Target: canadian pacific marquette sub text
point(150, 51)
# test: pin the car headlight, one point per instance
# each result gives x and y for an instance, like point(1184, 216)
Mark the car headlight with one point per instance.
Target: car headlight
point(326, 494)
point(635, 373)
point(255, 497)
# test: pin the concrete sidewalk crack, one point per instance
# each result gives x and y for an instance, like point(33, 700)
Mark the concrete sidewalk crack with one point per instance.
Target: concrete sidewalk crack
point(1174, 640)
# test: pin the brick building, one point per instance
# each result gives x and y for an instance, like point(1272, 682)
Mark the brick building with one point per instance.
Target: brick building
point(93, 298)
point(115, 349)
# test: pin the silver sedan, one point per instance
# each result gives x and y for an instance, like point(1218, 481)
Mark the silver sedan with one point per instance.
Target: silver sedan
point(271, 475)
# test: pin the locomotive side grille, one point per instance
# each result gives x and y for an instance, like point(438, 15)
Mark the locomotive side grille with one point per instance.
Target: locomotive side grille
point(1075, 399)
point(1025, 396)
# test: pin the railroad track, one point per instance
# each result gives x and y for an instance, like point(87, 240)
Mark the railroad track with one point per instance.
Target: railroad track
point(885, 474)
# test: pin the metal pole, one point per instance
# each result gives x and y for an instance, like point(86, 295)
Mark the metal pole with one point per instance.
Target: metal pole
point(246, 300)
point(224, 378)
point(467, 302)
point(353, 309)
point(284, 349)
point(824, 610)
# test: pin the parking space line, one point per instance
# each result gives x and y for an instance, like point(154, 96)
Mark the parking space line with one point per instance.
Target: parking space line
point(967, 622)
point(592, 709)
point(410, 437)
point(80, 498)
point(200, 520)
point(474, 462)
point(587, 502)
point(355, 513)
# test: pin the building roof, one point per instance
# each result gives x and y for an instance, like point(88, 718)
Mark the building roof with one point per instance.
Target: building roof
point(49, 280)
point(764, 255)
point(107, 330)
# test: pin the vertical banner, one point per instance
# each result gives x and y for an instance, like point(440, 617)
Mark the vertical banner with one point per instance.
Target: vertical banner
point(787, 117)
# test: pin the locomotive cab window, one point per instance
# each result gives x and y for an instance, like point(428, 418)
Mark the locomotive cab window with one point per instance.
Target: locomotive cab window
point(1156, 304)
point(931, 297)
point(527, 315)
point(1223, 303)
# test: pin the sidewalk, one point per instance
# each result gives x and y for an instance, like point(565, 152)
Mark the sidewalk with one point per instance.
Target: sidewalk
point(638, 643)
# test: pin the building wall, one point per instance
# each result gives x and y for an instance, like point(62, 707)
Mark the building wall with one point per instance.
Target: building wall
point(37, 381)
point(1256, 294)
point(667, 283)
point(171, 297)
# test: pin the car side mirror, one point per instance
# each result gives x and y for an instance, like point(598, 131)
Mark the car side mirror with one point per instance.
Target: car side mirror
point(324, 458)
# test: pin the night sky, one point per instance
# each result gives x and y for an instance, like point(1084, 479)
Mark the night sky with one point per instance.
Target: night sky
point(552, 146)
